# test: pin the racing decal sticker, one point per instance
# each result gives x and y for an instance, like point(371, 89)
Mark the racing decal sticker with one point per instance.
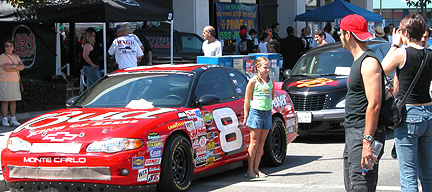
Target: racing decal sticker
point(311, 82)
point(153, 136)
point(210, 153)
point(85, 119)
point(211, 136)
point(210, 161)
point(190, 125)
point(154, 145)
point(279, 101)
point(182, 116)
point(200, 151)
point(142, 174)
point(201, 131)
point(208, 118)
point(154, 169)
point(155, 161)
point(137, 162)
point(195, 143)
point(60, 136)
point(176, 125)
point(154, 177)
point(200, 160)
point(202, 141)
point(210, 145)
point(155, 153)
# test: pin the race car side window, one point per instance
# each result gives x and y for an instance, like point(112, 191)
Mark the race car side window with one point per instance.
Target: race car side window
point(239, 81)
point(215, 82)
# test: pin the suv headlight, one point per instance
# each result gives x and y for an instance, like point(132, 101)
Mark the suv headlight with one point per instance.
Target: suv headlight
point(17, 144)
point(114, 145)
point(341, 104)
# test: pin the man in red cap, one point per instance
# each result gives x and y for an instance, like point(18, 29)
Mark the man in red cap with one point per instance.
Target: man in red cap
point(362, 107)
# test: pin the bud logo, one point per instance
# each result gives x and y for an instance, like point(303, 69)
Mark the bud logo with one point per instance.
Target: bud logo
point(81, 116)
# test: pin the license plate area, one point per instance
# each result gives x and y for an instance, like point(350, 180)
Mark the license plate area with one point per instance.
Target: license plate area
point(304, 117)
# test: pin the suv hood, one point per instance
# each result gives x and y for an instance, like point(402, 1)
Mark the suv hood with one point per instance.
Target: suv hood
point(90, 124)
point(316, 84)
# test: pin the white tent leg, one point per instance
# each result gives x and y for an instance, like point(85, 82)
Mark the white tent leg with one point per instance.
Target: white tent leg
point(105, 48)
point(172, 42)
point(58, 50)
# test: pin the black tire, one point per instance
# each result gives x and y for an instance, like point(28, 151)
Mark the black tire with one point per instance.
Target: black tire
point(177, 165)
point(275, 145)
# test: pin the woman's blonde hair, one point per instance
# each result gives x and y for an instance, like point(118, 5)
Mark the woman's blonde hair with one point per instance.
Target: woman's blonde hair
point(87, 36)
point(258, 62)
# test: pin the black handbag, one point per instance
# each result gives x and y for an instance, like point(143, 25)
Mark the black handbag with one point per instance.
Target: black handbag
point(391, 108)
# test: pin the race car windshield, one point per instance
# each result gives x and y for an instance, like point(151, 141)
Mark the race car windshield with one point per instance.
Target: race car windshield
point(138, 90)
point(324, 64)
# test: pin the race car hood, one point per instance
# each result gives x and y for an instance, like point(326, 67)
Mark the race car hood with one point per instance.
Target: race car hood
point(316, 84)
point(89, 124)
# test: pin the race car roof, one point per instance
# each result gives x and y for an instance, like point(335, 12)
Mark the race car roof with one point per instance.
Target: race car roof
point(164, 67)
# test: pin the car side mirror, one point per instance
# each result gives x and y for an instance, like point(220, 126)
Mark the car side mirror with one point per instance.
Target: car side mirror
point(287, 73)
point(208, 100)
point(71, 101)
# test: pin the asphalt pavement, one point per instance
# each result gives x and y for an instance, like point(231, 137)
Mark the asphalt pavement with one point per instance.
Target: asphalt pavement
point(6, 131)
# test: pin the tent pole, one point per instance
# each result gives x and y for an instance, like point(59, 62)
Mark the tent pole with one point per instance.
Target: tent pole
point(58, 49)
point(105, 48)
point(172, 42)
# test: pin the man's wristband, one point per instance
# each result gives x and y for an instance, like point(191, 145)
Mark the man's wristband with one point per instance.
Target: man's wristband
point(395, 45)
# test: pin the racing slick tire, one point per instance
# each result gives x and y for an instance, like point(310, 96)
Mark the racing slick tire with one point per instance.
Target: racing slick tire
point(275, 145)
point(177, 165)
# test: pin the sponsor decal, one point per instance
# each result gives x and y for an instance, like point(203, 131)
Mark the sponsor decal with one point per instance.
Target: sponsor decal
point(154, 145)
point(208, 118)
point(154, 169)
point(154, 177)
point(60, 136)
point(211, 129)
point(211, 136)
point(155, 161)
point(182, 115)
point(137, 162)
point(153, 136)
point(86, 118)
point(313, 82)
point(190, 125)
point(279, 101)
point(195, 143)
point(238, 90)
point(210, 145)
point(200, 160)
point(176, 125)
point(210, 153)
point(155, 153)
point(142, 174)
point(201, 131)
point(202, 141)
point(54, 160)
point(200, 151)
point(210, 161)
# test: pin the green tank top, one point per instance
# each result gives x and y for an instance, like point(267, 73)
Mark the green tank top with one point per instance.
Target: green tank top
point(262, 96)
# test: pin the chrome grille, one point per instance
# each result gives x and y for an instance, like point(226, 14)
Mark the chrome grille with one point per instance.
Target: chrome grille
point(308, 102)
point(54, 173)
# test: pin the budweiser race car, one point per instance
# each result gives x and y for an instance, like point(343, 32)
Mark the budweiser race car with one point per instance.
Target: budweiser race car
point(144, 128)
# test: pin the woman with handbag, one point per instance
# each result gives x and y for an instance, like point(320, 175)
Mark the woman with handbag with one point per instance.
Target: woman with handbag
point(413, 136)
point(10, 88)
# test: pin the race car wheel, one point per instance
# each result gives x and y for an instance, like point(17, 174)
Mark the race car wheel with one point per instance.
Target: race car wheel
point(177, 165)
point(275, 145)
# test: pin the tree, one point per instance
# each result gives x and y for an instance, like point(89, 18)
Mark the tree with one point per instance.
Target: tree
point(419, 4)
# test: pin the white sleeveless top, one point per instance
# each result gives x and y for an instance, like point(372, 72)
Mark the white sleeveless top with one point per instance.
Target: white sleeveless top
point(263, 47)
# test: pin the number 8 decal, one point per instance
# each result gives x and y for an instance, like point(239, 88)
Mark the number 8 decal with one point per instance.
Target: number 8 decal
point(230, 135)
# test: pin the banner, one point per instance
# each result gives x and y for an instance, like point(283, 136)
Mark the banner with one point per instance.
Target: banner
point(230, 16)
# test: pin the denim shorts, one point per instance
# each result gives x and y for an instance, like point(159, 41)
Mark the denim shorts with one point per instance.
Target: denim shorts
point(258, 119)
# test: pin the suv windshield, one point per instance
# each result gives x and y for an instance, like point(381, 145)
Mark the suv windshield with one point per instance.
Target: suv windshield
point(136, 90)
point(324, 63)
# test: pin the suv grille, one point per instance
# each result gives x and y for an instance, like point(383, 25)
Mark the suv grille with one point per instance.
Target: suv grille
point(309, 102)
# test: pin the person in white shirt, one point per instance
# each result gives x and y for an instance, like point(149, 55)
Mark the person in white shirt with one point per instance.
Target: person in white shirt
point(126, 50)
point(211, 46)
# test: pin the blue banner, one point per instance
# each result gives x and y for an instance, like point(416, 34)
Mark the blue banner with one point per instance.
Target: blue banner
point(230, 16)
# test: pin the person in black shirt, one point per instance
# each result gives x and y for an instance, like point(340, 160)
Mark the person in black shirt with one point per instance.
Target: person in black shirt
point(362, 106)
point(291, 48)
point(246, 45)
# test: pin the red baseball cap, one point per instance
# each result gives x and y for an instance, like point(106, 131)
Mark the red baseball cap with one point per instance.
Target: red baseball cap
point(242, 32)
point(357, 25)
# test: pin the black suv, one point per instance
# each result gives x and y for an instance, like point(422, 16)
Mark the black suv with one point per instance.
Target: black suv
point(187, 46)
point(317, 86)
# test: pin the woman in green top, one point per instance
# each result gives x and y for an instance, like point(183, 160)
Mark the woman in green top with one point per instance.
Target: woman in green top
point(258, 114)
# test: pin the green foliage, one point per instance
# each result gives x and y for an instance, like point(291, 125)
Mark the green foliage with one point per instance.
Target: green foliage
point(419, 4)
point(37, 95)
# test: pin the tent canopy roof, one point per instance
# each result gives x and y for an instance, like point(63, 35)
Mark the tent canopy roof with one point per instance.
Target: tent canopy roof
point(337, 9)
point(105, 11)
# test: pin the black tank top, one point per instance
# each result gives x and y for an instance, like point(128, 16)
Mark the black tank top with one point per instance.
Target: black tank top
point(420, 93)
point(92, 55)
point(356, 102)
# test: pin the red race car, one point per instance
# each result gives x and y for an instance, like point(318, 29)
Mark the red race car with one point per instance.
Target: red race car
point(146, 127)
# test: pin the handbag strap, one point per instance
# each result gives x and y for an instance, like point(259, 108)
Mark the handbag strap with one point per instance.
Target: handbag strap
point(13, 64)
point(411, 87)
